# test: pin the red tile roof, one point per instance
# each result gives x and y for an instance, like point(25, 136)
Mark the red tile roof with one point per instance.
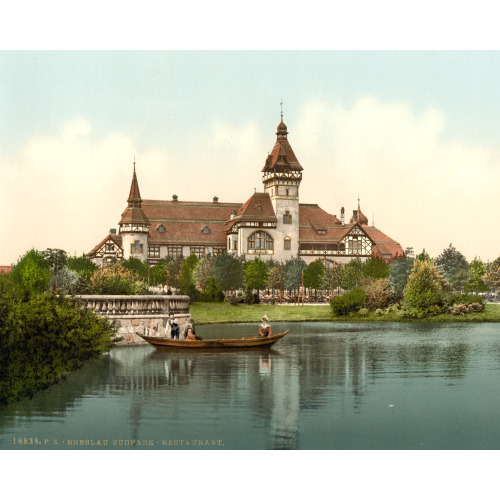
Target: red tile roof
point(6, 269)
point(184, 221)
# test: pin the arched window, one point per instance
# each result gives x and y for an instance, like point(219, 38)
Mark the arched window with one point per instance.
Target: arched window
point(260, 242)
point(287, 243)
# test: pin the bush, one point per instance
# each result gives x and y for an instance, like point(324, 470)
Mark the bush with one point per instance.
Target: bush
point(212, 292)
point(251, 298)
point(31, 274)
point(43, 338)
point(115, 279)
point(351, 301)
point(379, 312)
point(378, 293)
point(234, 300)
point(363, 311)
point(424, 292)
point(463, 298)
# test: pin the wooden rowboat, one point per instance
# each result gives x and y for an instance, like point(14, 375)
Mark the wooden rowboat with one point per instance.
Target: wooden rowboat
point(163, 343)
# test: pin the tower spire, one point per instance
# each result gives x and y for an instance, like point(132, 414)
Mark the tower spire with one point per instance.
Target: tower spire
point(281, 105)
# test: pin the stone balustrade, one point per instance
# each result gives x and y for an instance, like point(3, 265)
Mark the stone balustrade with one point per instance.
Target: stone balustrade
point(136, 305)
point(139, 314)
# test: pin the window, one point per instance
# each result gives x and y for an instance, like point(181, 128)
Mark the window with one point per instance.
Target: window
point(205, 230)
point(260, 242)
point(110, 248)
point(154, 251)
point(219, 250)
point(235, 244)
point(286, 191)
point(198, 251)
point(161, 228)
point(136, 247)
point(287, 244)
point(321, 231)
point(287, 218)
point(174, 250)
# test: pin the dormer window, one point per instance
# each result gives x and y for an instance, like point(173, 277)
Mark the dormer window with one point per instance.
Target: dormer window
point(161, 228)
point(321, 231)
point(206, 230)
point(287, 217)
point(258, 207)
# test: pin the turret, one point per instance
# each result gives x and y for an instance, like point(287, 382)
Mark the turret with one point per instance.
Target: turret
point(134, 225)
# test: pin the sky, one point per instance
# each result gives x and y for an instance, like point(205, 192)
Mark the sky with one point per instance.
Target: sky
point(414, 133)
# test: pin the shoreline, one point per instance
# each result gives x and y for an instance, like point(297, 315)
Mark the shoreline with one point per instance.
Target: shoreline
point(204, 313)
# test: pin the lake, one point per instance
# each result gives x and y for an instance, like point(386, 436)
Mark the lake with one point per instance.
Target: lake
point(324, 386)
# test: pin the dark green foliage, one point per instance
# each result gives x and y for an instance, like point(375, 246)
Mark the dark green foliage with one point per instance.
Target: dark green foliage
point(454, 267)
point(293, 273)
point(376, 268)
point(186, 282)
point(137, 266)
point(400, 271)
point(424, 292)
point(251, 298)
point(83, 266)
point(31, 274)
point(228, 272)
point(350, 275)
point(463, 298)
point(477, 272)
point(351, 301)
point(56, 259)
point(423, 256)
point(276, 274)
point(158, 274)
point(173, 266)
point(313, 275)
point(212, 292)
point(256, 273)
point(42, 339)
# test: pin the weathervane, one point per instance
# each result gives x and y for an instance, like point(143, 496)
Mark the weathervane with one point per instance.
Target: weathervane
point(281, 104)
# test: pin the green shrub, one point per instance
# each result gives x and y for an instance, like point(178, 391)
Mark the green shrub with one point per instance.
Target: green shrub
point(351, 301)
point(363, 311)
point(115, 279)
point(379, 312)
point(424, 292)
point(42, 339)
point(212, 292)
point(378, 293)
point(463, 298)
point(31, 274)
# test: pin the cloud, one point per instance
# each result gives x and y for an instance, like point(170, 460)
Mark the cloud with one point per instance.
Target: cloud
point(425, 190)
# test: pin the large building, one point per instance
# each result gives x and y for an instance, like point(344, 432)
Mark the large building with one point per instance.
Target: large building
point(270, 224)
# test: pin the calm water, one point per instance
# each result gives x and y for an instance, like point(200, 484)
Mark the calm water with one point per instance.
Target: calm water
point(324, 386)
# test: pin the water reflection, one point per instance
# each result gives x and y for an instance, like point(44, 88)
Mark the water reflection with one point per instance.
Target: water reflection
point(317, 378)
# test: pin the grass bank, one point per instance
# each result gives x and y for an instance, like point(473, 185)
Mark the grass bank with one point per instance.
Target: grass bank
point(207, 313)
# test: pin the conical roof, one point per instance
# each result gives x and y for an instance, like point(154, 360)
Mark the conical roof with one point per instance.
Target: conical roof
point(134, 214)
point(282, 158)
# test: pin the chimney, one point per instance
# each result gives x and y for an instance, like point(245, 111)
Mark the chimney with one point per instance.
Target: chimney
point(174, 197)
point(342, 215)
point(112, 231)
point(233, 214)
point(216, 199)
point(355, 215)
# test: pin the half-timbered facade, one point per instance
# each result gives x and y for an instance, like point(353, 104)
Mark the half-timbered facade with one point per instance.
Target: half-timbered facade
point(270, 224)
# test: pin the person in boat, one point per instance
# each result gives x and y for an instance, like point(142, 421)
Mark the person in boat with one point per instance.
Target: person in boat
point(190, 335)
point(174, 326)
point(265, 327)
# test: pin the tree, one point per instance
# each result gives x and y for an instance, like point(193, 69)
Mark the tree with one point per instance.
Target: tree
point(378, 293)
point(400, 271)
point(173, 268)
point(492, 276)
point(116, 279)
point(56, 258)
point(313, 275)
point(186, 280)
point(31, 274)
point(424, 291)
point(351, 274)
point(293, 273)
point(83, 266)
point(376, 268)
point(212, 292)
point(476, 283)
point(454, 266)
point(137, 266)
point(158, 273)
point(202, 271)
point(255, 273)
point(69, 282)
point(228, 272)
point(276, 274)
point(423, 256)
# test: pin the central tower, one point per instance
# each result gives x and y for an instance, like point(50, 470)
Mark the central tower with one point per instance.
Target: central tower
point(281, 176)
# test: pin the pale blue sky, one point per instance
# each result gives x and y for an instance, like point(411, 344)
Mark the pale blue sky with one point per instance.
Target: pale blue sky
point(416, 134)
